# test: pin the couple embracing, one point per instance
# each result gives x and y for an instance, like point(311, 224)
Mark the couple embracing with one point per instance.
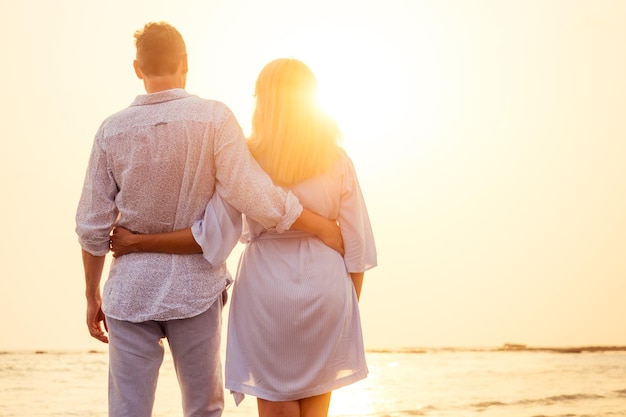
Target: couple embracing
point(167, 183)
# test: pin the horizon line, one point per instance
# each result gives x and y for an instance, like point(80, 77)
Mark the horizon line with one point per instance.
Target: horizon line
point(507, 347)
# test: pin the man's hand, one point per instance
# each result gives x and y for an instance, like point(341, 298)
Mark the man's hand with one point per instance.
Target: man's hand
point(96, 322)
point(122, 241)
point(326, 230)
point(330, 234)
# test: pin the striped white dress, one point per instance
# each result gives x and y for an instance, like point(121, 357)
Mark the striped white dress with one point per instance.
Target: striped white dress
point(294, 329)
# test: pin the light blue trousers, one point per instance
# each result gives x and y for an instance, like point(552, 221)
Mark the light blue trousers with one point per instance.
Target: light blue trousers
point(136, 354)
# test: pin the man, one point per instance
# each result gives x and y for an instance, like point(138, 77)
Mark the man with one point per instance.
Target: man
point(154, 166)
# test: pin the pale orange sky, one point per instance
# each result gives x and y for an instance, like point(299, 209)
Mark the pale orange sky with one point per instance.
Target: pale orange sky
point(489, 137)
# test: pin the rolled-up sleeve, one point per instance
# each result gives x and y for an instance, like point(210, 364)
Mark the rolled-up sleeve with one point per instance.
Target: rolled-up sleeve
point(96, 211)
point(243, 183)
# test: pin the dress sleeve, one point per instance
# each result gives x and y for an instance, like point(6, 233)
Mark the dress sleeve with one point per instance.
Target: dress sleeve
point(218, 231)
point(243, 183)
point(358, 238)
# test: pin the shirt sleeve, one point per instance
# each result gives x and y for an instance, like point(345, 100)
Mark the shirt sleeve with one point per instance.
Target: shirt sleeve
point(242, 182)
point(97, 211)
point(358, 238)
point(218, 231)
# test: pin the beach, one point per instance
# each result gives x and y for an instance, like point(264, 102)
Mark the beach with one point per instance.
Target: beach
point(507, 382)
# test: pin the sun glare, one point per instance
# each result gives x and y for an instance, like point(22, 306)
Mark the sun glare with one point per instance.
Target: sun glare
point(354, 399)
point(364, 84)
point(368, 77)
point(360, 81)
point(357, 90)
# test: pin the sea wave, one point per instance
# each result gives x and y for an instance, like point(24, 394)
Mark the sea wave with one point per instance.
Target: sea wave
point(507, 347)
point(620, 392)
point(422, 411)
point(551, 400)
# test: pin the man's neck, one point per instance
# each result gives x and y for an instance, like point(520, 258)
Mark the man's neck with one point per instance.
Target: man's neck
point(156, 83)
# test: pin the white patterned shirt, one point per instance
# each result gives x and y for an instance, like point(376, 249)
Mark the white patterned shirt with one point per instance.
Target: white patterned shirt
point(154, 167)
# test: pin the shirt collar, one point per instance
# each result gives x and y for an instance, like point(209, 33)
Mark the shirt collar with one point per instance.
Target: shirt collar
point(160, 96)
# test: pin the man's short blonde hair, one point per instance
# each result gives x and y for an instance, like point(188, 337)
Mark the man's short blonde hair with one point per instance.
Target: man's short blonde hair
point(160, 48)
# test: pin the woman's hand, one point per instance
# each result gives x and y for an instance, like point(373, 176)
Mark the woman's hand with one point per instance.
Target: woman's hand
point(122, 241)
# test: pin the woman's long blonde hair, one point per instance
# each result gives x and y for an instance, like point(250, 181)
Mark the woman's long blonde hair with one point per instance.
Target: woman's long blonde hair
point(292, 139)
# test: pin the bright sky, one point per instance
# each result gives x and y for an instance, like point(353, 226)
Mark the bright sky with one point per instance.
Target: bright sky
point(489, 137)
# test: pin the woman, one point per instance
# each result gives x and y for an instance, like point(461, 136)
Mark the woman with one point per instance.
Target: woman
point(294, 331)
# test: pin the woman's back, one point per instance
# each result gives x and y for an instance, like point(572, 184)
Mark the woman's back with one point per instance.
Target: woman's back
point(294, 327)
point(335, 194)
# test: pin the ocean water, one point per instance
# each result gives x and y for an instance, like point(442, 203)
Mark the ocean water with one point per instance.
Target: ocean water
point(434, 382)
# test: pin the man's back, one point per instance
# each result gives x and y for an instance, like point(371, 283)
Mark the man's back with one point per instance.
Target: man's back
point(153, 168)
point(160, 153)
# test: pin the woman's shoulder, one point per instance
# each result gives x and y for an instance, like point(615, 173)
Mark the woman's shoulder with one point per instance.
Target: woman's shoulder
point(343, 161)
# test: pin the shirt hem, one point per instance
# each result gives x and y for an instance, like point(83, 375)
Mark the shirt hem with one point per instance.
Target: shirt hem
point(164, 317)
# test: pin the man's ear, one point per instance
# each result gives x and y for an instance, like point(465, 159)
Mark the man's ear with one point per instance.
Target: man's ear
point(137, 70)
point(184, 68)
